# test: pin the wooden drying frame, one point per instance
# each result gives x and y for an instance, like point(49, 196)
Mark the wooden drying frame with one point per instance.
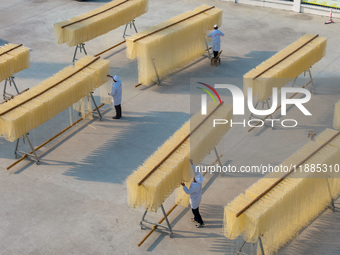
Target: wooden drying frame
point(49, 140)
point(177, 146)
point(285, 176)
point(285, 57)
point(154, 227)
point(304, 44)
point(177, 22)
point(54, 85)
point(74, 22)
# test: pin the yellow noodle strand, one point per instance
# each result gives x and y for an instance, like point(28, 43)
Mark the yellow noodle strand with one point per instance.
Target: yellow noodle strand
point(35, 112)
point(100, 24)
point(14, 61)
point(288, 69)
point(169, 175)
point(173, 46)
point(279, 215)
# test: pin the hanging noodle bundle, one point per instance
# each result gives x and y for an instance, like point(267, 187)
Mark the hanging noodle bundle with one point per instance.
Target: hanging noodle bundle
point(284, 66)
point(336, 121)
point(293, 202)
point(92, 24)
point(41, 103)
point(176, 152)
point(84, 107)
point(172, 43)
point(13, 59)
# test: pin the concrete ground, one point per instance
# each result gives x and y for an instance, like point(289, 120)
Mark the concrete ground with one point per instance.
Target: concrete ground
point(74, 201)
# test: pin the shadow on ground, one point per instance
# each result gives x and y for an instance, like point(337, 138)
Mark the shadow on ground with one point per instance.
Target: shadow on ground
point(120, 155)
point(233, 67)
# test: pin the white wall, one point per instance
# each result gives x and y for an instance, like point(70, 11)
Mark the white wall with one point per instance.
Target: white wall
point(291, 6)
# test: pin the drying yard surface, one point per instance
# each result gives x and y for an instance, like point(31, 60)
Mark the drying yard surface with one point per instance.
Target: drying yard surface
point(75, 200)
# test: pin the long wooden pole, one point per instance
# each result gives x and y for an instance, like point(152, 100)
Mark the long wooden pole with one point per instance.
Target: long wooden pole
point(49, 140)
point(54, 85)
point(5, 52)
point(154, 227)
point(94, 14)
point(176, 147)
point(278, 62)
point(110, 48)
point(285, 176)
point(258, 123)
point(173, 24)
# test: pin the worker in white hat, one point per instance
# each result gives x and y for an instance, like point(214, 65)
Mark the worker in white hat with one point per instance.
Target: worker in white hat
point(215, 36)
point(195, 192)
point(116, 93)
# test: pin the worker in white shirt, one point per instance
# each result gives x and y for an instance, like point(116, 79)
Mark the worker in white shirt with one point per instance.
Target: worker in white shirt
point(195, 192)
point(215, 36)
point(116, 93)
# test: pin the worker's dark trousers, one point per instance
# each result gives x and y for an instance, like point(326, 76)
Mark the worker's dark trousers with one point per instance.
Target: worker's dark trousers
point(215, 54)
point(118, 111)
point(197, 216)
